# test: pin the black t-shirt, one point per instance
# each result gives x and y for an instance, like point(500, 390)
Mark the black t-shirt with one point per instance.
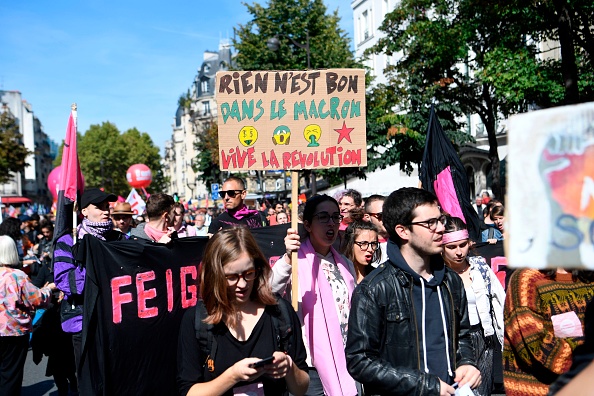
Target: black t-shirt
point(261, 344)
point(225, 220)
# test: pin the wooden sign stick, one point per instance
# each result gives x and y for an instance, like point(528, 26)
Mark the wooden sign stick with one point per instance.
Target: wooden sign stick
point(295, 226)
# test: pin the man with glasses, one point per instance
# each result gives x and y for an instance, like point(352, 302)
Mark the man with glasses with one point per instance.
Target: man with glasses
point(408, 327)
point(236, 212)
point(373, 209)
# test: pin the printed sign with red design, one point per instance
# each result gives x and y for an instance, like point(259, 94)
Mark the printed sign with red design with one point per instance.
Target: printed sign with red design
point(291, 120)
point(550, 210)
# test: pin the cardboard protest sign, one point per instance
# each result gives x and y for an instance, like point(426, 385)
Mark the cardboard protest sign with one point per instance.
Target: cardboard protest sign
point(550, 205)
point(291, 120)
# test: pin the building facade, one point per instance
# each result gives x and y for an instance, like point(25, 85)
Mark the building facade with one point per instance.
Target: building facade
point(191, 119)
point(32, 182)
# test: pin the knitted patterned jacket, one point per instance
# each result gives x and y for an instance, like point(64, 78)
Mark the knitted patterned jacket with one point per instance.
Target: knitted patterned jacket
point(533, 357)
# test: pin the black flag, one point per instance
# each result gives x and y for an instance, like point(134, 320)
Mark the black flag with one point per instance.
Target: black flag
point(443, 174)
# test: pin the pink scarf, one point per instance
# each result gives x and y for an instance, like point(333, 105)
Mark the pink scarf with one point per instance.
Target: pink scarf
point(323, 334)
point(153, 233)
point(242, 212)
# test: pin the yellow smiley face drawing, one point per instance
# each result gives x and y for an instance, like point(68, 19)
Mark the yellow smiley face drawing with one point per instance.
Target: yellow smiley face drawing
point(312, 134)
point(281, 135)
point(248, 136)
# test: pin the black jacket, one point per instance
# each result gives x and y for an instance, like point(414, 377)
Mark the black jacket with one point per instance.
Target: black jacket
point(384, 348)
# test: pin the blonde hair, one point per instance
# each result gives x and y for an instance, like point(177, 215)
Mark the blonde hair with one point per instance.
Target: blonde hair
point(8, 252)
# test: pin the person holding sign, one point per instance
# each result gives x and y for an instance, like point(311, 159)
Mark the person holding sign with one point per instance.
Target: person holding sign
point(236, 212)
point(69, 273)
point(239, 340)
point(326, 283)
point(544, 323)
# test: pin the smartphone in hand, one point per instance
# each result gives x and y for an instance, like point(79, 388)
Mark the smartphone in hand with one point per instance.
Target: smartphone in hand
point(263, 362)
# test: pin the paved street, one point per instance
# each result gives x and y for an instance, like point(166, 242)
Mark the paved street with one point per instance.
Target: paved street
point(35, 383)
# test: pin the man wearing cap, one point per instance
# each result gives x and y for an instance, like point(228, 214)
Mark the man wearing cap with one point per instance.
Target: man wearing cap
point(69, 273)
point(122, 217)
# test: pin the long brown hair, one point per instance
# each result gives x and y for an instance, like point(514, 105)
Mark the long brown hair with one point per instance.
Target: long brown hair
point(224, 247)
point(351, 233)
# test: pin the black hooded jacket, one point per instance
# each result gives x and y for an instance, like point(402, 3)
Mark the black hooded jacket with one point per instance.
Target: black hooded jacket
point(384, 348)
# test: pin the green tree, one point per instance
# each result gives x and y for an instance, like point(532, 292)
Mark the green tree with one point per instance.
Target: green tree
point(207, 161)
point(468, 57)
point(292, 21)
point(13, 152)
point(105, 155)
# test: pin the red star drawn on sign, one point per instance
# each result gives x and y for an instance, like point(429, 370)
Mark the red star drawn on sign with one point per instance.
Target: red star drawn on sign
point(344, 133)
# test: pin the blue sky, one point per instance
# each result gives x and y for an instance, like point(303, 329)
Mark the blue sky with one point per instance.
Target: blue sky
point(121, 61)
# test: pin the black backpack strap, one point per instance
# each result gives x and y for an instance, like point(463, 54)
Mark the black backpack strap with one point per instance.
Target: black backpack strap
point(281, 321)
point(206, 339)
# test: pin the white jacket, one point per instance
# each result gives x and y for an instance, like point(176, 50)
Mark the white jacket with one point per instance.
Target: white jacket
point(492, 323)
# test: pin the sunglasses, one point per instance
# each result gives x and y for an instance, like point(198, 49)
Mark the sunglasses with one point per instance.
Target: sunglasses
point(121, 217)
point(230, 193)
point(378, 215)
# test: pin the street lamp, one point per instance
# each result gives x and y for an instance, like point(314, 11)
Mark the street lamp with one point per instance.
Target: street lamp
point(273, 44)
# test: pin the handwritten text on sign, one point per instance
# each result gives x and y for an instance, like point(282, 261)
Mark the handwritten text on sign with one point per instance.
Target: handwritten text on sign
point(272, 120)
point(551, 219)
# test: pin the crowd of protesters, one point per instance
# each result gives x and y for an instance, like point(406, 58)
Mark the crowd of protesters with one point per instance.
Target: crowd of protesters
point(393, 298)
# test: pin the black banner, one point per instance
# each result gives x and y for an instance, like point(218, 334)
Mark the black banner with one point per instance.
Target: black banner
point(135, 296)
point(495, 257)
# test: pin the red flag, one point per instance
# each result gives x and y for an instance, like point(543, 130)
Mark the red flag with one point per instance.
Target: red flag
point(71, 181)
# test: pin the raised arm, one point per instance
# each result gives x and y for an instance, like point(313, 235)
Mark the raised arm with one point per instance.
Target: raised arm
point(281, 272)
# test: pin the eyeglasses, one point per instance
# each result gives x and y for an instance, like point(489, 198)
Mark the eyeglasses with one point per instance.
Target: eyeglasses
point(248, 276)
point(378, 215)
point(230, 193)
point(366, 244)
point(121, 217)
point(431, 224)
point(324, 217)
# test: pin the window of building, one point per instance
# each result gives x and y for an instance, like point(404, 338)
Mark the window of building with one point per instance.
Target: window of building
point(206, 107)
point(365, 26)
point(204, 86)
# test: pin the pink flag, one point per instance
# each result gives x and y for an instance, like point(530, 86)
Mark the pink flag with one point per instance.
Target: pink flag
point(71, 180)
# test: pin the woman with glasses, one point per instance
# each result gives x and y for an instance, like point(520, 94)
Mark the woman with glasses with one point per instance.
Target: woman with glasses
point(361, 246)
point(239, 310)
point(326, 283)
point(485, 296)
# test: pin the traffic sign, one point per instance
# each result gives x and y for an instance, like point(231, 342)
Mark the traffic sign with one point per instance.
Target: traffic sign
point(214, 189)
